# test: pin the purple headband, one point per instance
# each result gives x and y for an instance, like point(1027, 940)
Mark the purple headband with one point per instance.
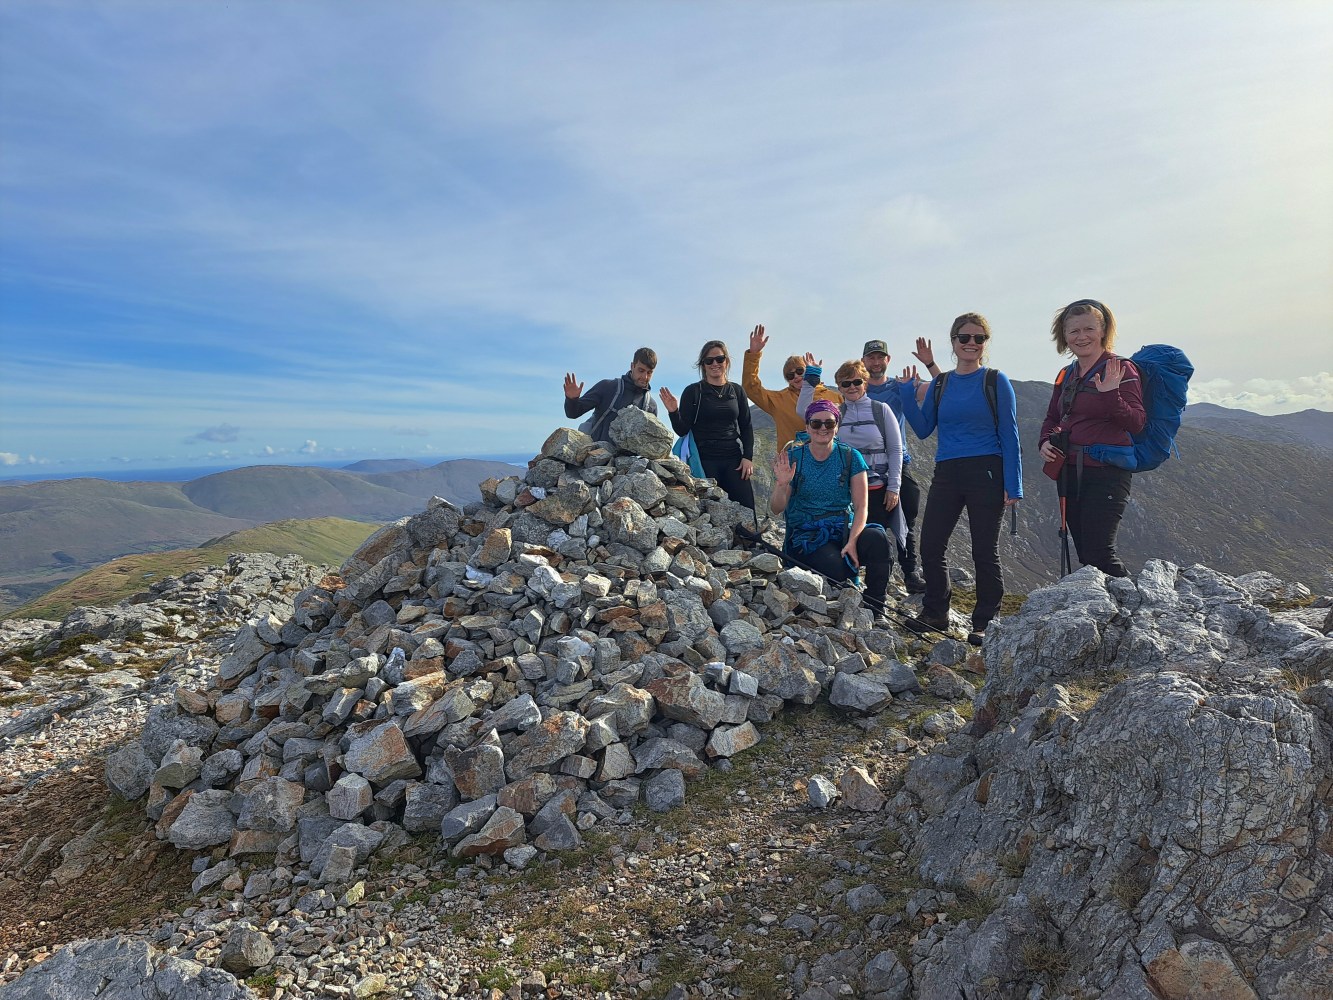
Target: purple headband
point(822, 406)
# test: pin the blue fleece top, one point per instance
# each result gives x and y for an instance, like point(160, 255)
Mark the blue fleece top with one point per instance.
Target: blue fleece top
point(888, 393)
point(967, 428)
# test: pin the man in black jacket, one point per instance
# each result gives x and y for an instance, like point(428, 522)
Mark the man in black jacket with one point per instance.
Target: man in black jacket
point(611, 395)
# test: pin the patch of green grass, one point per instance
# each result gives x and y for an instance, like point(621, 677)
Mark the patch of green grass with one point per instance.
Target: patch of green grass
point(263, 983)
point(497, 977)
point(321, 541)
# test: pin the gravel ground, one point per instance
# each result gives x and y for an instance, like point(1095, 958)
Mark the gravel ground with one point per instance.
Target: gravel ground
point(745, 891)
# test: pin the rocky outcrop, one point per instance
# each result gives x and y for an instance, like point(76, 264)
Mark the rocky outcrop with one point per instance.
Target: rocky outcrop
point(1143, 794)
point(119, 968)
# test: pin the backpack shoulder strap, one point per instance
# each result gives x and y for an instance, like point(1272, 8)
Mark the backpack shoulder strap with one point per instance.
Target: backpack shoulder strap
point(941, 380)
point(878, 408)
point(992, 379)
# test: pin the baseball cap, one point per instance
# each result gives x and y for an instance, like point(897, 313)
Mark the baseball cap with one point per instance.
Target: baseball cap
point(875, 347)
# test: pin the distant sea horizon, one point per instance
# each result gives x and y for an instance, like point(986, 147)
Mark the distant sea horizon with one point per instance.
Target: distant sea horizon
point(183, 474)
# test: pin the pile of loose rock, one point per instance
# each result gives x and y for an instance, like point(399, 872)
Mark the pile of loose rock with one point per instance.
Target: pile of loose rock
point(507, 676)
point(97, 672)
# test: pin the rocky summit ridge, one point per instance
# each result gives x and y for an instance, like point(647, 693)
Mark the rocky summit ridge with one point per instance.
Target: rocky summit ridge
point(1139, 805)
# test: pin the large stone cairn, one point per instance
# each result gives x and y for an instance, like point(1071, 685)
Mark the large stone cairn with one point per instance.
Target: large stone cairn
point(508, 676)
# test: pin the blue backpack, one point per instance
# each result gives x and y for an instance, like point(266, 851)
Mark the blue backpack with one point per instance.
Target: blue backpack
point(1166, 375)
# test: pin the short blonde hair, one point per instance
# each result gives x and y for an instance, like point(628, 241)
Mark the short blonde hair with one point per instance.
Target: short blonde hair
point(852, 369)
point(1083, 307)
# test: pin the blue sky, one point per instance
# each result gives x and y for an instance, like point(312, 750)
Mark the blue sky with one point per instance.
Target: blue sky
point(298, 231)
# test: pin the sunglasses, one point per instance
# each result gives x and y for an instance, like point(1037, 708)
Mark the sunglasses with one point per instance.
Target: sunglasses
point(821, 425)
point(852, 383)
point(800, 373)
point(716, 359)
point(967, 338)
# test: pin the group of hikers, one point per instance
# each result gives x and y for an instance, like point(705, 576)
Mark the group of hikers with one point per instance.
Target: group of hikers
point(843, 477)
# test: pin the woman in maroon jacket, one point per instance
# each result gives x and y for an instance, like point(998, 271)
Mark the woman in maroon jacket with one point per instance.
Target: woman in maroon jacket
point(1097, 400)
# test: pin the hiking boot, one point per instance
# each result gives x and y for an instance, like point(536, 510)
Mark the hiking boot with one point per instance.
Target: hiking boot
point(921, 625)
point(976, 638)
point(914, 582)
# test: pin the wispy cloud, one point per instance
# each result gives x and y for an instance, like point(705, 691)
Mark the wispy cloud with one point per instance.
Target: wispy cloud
point(410, 222)
point(222, 434)
point(1268, 396)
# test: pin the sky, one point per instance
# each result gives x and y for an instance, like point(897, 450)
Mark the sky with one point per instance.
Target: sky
point(255, 232)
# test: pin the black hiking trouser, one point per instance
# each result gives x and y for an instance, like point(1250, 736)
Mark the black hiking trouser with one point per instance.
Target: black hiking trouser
point(874, 551)
point(977, 486)
point(1095, 501)
point(729, 478)
point(910, 501)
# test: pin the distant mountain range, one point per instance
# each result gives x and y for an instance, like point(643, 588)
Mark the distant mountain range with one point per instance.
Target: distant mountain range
point(1312, 428)
point(51, 531)
point(1248, 493)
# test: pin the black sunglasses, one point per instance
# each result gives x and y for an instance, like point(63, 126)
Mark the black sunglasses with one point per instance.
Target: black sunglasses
point(826, 425)
point(793, 374)
point(717, 359)
point(967, 338)
point(851, 383)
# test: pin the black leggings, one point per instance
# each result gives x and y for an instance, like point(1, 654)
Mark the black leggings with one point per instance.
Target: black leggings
point(977, 485)
point(909, 499)
point(874, 551)
point(729, 478)
point(1095, 503)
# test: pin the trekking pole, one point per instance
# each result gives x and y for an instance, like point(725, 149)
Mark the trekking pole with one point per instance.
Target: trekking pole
point(1013, 519)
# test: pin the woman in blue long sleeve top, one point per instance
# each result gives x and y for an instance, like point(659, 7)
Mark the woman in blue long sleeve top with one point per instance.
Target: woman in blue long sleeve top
point(978, 468)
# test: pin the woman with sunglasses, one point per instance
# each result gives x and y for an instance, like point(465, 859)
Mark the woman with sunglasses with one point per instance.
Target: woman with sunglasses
point(1096, 400)
point(780, 404)
point(977, 468)
point(869, 426)
point(815, 486)
point(717, 413)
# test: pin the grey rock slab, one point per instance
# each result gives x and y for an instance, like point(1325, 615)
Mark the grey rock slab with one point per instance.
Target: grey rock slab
point(467, 818)
point(206, 821)
point(425, 806)
point(640, 433)
point(856, 693)
point(781, 670)
point(820, 791)
point(271, 805)
point(362, 839)
point(350, 796)
point(119, 968)
point(129, 772)
point(664, 791)
point(727, 741)
point(685, 697)
point(246, 952)
point(503, 830)
point(382, 755)
point(546, 744)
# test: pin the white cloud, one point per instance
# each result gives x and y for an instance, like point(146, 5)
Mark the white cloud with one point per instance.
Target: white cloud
point(309, 448)
point(8, 458)
point(1267, 396)
point(221, 434)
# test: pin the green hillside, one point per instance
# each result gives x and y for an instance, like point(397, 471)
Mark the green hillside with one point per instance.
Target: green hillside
point(325, 540)
point(266, 492)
